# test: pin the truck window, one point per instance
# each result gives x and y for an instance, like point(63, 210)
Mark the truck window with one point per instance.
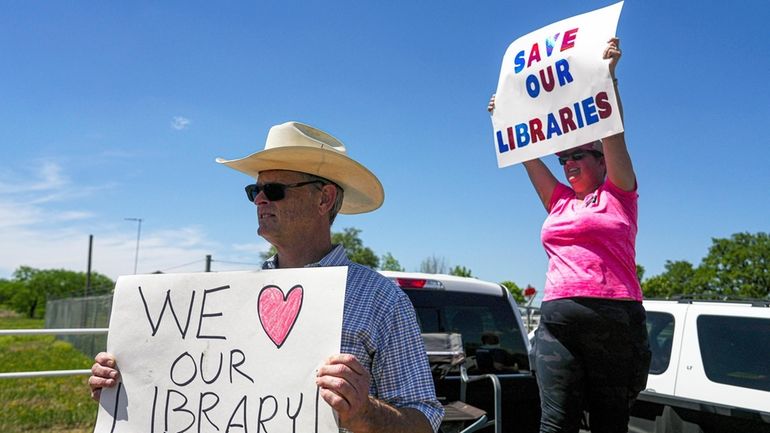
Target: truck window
point(735, 350)
point(660, 331)
point(491, 335)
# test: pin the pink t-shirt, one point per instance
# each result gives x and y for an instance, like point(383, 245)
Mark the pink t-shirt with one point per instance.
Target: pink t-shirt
point(591, 244)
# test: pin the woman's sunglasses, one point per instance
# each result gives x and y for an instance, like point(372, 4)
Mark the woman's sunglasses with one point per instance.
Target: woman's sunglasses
point(274, 191)
point(577, 156)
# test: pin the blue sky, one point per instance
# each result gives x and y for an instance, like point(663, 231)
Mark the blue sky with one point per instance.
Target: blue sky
point(118, 109)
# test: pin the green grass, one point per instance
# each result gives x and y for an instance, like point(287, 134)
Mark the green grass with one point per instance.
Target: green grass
point(55, 404)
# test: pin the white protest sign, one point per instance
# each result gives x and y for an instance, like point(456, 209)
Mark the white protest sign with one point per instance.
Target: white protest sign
point(555, 90)
point(223, 352)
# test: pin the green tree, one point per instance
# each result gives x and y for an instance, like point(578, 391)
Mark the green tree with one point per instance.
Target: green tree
point(460, 271)
point(434, 265)
point(269, 253)
point(516, 292)
point(32, 287)
point(677, 279)
point(354, 247)
point(7, 290)
point(739, 266)
point(389, 263)
point(639, 272)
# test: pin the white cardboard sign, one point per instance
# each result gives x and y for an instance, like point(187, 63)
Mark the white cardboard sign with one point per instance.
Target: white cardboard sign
point(555, 90)
point(223, 352)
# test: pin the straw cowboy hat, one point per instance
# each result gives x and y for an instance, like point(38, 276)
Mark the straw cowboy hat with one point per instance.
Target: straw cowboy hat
point(298, 147)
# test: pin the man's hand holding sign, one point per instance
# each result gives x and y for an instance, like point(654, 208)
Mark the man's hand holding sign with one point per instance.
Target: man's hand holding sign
point(590, 348)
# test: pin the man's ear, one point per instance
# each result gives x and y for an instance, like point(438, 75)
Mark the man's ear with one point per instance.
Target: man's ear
point(328, 196)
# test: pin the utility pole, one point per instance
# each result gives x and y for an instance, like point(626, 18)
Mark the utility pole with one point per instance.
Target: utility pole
point(88, 272)
point(208, 262)
point(138, 234)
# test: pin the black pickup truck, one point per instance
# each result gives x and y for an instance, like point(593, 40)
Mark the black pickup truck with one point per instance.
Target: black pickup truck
point(494, 341)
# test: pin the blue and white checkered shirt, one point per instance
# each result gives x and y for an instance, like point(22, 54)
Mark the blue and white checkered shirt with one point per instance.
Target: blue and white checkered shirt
point(379, 327)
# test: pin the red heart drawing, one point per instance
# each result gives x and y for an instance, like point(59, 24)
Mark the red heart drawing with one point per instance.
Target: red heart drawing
point(278, 313)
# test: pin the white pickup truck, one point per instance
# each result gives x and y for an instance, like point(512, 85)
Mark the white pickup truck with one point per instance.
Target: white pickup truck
point(710, 370)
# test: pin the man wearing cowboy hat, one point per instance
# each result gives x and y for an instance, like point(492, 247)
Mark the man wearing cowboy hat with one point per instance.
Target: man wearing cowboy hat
point(381, 380)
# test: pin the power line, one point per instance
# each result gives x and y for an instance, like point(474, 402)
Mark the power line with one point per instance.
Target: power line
point(211, 260)
point(182, 265)
point(237, 263)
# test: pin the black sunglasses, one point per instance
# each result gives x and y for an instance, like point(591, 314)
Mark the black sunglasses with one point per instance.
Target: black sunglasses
point(274, 191)
point(577, 156)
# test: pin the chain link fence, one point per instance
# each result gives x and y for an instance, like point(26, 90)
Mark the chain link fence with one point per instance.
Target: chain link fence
point(85, 312)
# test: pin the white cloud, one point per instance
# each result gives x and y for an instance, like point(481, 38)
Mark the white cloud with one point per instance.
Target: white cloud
point(254, 247)
point(47, 246)
point(31, 231)
point(75, 215)
point(47, 176)
point(14, 214)
point(38, 232)
point(23, 196)
point(114, 250)
point(179, 123)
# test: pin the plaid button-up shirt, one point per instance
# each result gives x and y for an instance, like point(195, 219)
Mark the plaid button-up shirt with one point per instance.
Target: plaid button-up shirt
point(379, 327)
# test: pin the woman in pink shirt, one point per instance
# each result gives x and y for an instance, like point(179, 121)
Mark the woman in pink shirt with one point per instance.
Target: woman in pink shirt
point(591, 346)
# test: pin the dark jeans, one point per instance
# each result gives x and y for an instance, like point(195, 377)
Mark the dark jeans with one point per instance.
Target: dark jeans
point(591, 354)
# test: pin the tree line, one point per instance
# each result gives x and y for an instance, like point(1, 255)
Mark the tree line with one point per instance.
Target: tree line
point(733, 268)
point(29, 288)
point(737, 267)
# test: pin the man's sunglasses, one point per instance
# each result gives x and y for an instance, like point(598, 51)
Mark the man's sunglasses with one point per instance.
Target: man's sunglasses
point(577, 156)
point(274, 191)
